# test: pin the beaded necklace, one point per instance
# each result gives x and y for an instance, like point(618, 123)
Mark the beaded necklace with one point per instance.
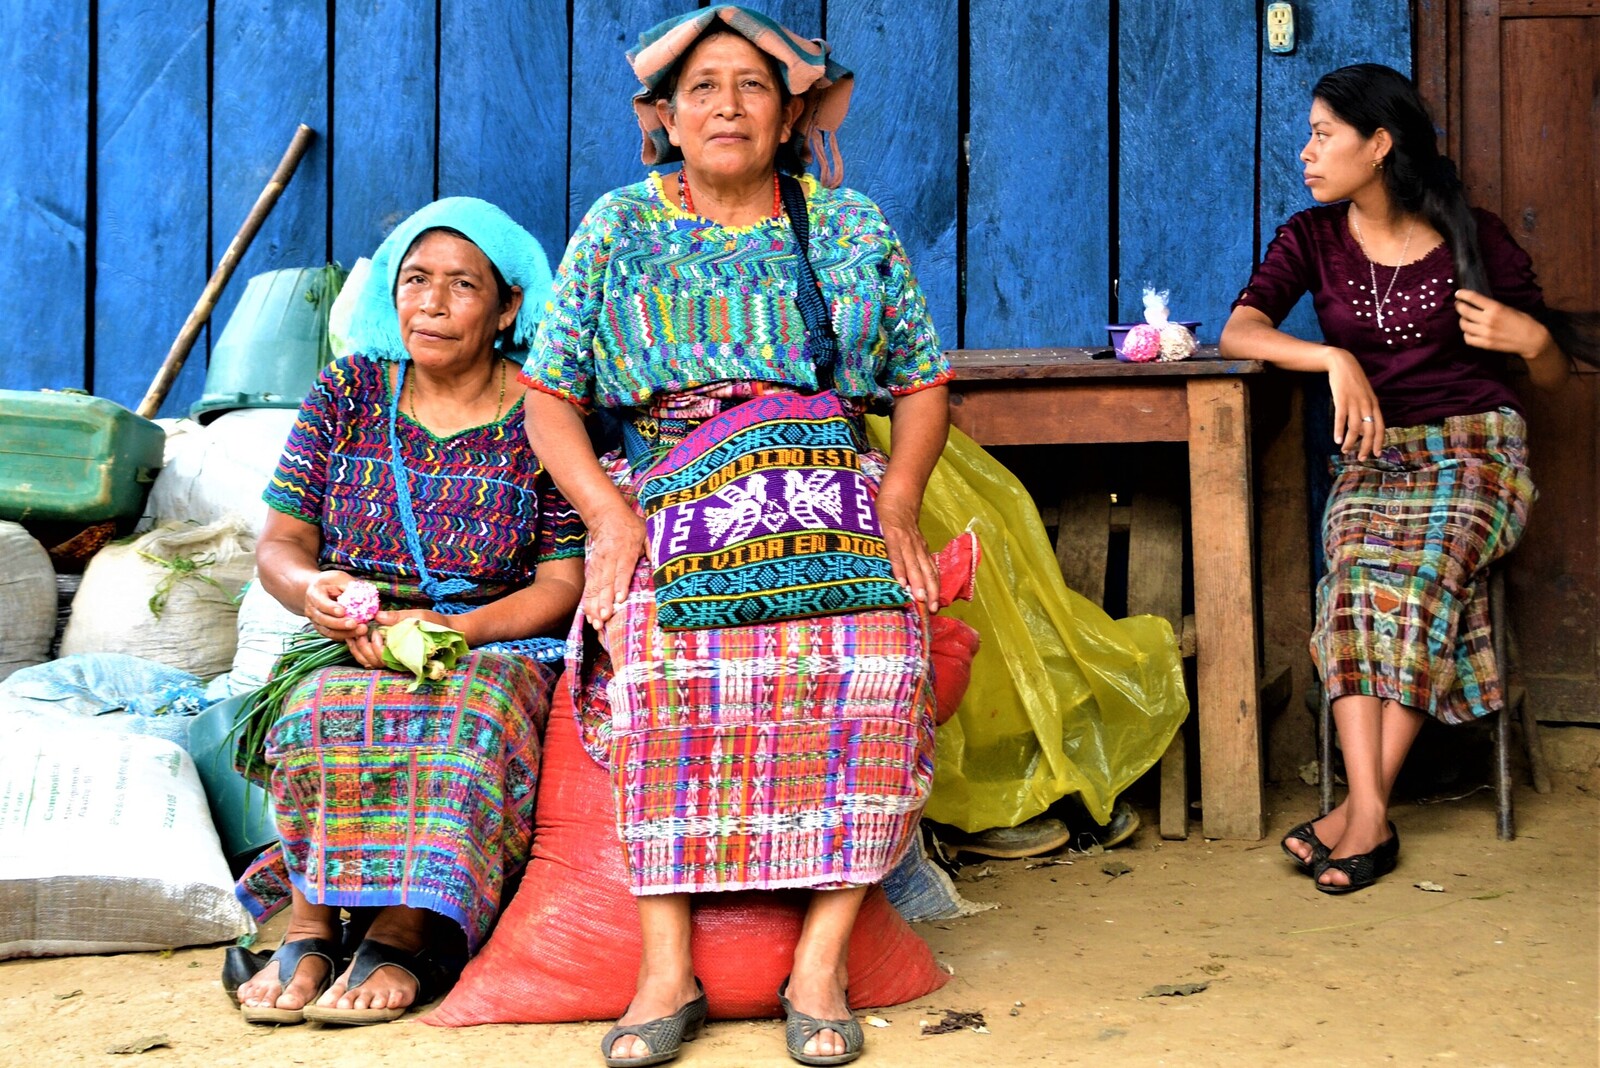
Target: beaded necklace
point(686, 199)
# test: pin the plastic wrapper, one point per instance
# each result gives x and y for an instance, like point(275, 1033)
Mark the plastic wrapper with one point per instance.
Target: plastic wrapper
point(1064, 699)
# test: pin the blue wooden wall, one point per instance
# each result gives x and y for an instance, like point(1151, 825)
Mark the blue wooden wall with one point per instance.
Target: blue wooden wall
point(1043, 162)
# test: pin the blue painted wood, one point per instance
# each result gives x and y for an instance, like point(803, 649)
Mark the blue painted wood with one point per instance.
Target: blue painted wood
point(150, 218)
point(270, 73)
point(383, 119)
point(1038, 244)
point(503, 110)
point(1361, 31)
point(605, 134)
point(1186, 189)
point(44, 116)
point(902, 141)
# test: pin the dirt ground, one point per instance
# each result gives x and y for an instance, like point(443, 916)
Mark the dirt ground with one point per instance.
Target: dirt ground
point(1501, 968)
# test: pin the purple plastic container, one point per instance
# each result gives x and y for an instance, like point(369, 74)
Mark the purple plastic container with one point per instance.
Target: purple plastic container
point(1118, 332)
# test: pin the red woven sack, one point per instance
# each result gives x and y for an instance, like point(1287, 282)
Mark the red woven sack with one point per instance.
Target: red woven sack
point(567, 947)
point(952, 644)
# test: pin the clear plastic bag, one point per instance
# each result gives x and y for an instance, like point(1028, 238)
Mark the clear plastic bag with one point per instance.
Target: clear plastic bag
point(1064, 699)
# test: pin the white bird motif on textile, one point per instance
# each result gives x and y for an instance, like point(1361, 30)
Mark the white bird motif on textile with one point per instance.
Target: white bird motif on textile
point(739, 518)
point(810, 492)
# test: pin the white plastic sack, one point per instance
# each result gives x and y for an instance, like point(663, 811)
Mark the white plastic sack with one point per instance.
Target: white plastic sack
point(27, 600)
point(344, 306)
point(196, 627)
point(219, 469)
point(264, 625)
point(106, 845)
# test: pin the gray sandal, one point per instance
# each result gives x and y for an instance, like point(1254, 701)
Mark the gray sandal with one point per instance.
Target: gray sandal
point(799, 1028)
point(663, 1037)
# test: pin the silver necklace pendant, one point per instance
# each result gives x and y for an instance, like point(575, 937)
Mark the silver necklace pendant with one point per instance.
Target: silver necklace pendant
point(1372, 269)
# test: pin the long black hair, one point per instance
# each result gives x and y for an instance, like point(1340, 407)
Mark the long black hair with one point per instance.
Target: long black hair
point(1369, 96)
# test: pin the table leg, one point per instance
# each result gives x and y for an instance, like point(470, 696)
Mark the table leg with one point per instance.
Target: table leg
point(1224, 608)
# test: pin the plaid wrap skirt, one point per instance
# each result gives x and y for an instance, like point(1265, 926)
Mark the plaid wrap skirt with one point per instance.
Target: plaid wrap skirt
point(1408, 537)
point(760, 757)
point(388, 797)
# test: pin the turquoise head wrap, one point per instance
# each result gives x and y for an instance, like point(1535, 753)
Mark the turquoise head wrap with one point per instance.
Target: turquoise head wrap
point(374, 324)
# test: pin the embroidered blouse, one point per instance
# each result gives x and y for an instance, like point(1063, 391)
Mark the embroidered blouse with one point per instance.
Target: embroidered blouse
point(486, 509)
point(651, 299)
point(1420, 366)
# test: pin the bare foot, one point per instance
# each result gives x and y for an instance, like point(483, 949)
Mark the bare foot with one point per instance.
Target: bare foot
point(654, 999)
point(266, 990)
point(821, 994)
point(388, 987)
point(1359, 836)
point(1329, 829)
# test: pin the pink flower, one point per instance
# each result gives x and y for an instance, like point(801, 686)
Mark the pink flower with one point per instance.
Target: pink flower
point(360, 601)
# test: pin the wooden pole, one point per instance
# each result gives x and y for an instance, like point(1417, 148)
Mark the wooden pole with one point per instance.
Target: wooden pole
point(219, 277)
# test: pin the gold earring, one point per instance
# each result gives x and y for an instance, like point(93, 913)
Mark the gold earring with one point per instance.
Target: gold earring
point(1377, 164)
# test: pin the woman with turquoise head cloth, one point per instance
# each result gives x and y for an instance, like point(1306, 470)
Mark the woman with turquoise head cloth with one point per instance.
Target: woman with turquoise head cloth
point(409, 467)
point(791, 753)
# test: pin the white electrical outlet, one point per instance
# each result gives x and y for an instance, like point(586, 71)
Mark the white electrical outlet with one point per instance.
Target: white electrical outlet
point(1280, 27)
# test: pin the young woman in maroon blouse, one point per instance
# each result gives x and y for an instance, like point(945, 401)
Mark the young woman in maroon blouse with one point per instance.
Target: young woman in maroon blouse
point(1420, 299)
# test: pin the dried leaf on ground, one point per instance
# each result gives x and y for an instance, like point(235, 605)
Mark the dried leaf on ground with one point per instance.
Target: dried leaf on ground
point(1115, 868)
point(875, 1021)
point(68, 994)
point(1431, 887)
point(956, 1021)
point(142, 1045)
point(1181, 990)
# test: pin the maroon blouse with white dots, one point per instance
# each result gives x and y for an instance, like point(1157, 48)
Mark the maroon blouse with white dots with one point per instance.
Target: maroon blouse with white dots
point(1419, 365)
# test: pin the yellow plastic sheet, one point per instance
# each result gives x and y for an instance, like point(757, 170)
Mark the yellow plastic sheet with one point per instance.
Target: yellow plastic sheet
point(1064, 699)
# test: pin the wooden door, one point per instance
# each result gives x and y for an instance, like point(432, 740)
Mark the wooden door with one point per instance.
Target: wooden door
point(1517, 86)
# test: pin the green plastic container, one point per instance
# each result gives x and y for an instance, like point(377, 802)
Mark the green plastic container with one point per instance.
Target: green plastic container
point(75, 458)
point(241, 810)
point(275, 343)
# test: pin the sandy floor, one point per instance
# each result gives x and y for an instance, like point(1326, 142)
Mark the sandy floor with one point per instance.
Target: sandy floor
point(1502, 968)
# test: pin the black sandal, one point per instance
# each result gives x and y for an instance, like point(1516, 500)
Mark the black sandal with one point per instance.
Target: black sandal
point(1306, 833)
point(1363, 869)
point(433, 979)
point(240, 965)
point(799, 1027)
point(663, 1037)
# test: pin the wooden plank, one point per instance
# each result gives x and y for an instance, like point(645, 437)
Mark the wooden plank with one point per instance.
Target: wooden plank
point(1224, 608)
point(1071, 413)
point(1155, 539)
point(605, 136)
point(1521, 9)
point(270, 73)
point(1175, 789)
point(1480, 101)
point(1082, 528)
point(508, 146)
point(1360, 31)
point(1038, 245)
point(150, 217)
point(383, 119)
point(1550, 136)
point(987, 364)
point(1181, 156)
point(902, 141)
point(43, 201)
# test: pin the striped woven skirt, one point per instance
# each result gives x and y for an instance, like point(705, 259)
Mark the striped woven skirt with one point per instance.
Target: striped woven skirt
point(421, 799)
point(791, 754)
point(1408, 537)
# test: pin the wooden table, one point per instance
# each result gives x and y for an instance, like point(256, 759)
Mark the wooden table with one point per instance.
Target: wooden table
point(1065, 396)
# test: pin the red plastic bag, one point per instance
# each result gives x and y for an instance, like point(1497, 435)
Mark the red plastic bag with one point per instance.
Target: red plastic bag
point(567, 947)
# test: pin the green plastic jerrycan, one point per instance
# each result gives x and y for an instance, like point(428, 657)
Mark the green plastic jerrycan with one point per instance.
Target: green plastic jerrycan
point(275, 343)
point(241, 810)
point(70, 457)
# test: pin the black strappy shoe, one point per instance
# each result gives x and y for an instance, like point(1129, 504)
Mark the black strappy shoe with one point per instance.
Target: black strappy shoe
point(799, 1027)
point(1363, 869)
point(1306, 833)
point(433, 979)
point(240, 965)
point(663, 1037)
